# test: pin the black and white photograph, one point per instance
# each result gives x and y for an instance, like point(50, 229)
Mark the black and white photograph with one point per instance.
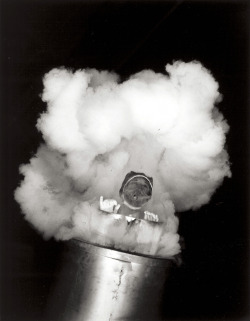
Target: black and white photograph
point(124, 165)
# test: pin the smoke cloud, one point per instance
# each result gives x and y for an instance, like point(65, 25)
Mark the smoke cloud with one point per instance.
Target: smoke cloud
point(96, 129)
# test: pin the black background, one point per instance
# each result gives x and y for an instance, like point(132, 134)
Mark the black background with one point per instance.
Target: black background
point(127, 36)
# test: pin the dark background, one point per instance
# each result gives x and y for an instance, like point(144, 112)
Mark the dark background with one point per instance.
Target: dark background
point(127, 36)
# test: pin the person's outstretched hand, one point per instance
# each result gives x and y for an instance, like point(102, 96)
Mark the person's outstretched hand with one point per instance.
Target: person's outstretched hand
point(109, 205)
point(151, 216)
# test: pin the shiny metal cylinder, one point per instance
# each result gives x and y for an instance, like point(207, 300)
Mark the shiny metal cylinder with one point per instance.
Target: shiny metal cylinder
point(102, 284)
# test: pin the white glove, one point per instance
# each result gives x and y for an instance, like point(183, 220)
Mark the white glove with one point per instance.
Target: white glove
point(109, 206)
point(151, 216)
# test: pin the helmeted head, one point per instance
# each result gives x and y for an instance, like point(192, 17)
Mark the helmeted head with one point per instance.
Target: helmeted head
point(136, 190)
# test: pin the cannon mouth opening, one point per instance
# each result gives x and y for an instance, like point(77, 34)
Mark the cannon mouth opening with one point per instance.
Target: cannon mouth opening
point(116, 254)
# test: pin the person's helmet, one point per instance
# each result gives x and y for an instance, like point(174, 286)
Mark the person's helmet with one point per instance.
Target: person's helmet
point(136, 189)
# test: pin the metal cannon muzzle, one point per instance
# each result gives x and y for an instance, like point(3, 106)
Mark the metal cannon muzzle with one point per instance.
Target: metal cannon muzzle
point(102, 284)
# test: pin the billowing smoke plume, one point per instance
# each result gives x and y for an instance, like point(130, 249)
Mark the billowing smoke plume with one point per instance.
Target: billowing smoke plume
point(97, 129)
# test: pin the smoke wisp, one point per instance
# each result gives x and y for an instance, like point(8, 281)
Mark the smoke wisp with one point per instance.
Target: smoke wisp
point(96, 129)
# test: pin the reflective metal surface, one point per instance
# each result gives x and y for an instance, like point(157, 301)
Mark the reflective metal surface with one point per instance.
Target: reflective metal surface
point(99, 284)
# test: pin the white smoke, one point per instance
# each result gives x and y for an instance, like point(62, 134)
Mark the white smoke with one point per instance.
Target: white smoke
point(97, 129)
